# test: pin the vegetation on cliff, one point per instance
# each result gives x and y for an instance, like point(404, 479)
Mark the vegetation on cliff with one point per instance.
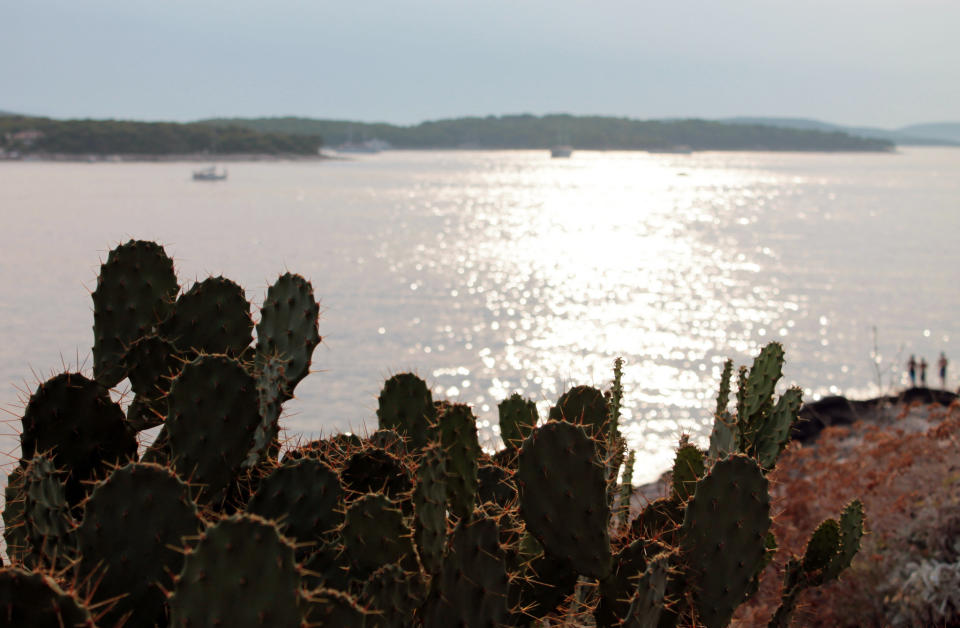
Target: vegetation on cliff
point(29, 135)
point(583, 132)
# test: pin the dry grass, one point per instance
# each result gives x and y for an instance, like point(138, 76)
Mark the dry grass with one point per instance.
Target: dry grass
point(905, 467)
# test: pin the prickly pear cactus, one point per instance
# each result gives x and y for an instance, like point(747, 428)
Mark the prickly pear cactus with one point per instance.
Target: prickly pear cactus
point(647, 602)
point(329, 607)
point(135, 292)
point(304, 497)
point(373, 470)
point(151, 364)
point(47, 519)
point(213, 316)
point(14, 528)
point(471, 590)
point(74, 418)
point(563, 497)
point(395, 595)
point(272, 391)
point(288, 327)
point(241, 573)
point(585, 406)
point(518, 417)
point(430, 507)
point(458, 437)
point(134, 526)
point(374, 534)
point(722, 537)
point(688, 467)
point(214, 411)
point(36, 601)
point(406, 405)
point(725, 437)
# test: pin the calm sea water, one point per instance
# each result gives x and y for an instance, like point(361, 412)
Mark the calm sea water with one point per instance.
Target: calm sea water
point(494, 272)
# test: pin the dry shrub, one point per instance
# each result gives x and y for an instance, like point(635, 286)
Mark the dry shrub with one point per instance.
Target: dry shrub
point(909, 482)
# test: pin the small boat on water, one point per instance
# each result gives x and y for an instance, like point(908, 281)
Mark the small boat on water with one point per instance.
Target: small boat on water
point(561, 151)
point(209, 174)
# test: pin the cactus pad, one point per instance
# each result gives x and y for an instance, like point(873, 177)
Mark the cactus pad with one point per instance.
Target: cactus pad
point(471, 590)
point(34, 600)
point(303, 496)
point(458, 437)
point(151, 363)
point(374, 534)
point(430, 507)
point(134, 524)
point(406, 405)
point(518, 417)
point(75, 419)
point(563, 497)
point(212, 317)
point(722, 537)
point(288, 327)
point(241, 573)
point(213, 414)
point(585, 406)
point(135, 292)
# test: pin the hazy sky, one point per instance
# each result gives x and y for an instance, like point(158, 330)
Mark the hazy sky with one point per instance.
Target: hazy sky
point(878, 62)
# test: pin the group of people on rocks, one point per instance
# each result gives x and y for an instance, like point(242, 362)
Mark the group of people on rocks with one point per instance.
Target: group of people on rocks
point(912, 366)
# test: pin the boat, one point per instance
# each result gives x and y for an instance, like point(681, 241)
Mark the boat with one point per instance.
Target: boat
point(209, 174)
point(561, 151)
point(368, 146)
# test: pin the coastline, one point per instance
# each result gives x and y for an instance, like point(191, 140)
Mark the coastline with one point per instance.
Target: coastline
point(168, 158)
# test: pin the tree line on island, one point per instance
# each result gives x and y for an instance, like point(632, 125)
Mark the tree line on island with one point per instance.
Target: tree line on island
point(305, 136)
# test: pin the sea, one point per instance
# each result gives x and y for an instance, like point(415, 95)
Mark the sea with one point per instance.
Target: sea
point(494, 272)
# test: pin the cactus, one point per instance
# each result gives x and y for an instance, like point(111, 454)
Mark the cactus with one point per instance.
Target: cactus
point(373, 470)
point(133, 526)
point(46, 516)
point(584, 406)
point(212, 317)
point(725, 435)
point(304, 497)
point(518, 417)
point(626, 490)
point(647, 602)
point(151, 364)
point(74, 418)
point(396, 595)
point(14, 528)
point(472, 587)
point(241, 573)
point(722, 537)
point(271, 391)
point(458, 437)
point(135, 292)
point(495, 484)
point(829, 551)
point(429, 504)
point(288, 327)
point(563, 497)
point(406, 405)
point(329, 607)
point(374, 534)
point(688, 467)
point(36, 600)
point(214, 411)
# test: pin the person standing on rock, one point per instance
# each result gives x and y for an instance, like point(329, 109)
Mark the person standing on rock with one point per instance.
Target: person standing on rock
point(912, 369)
point(923, 372)
point(942, 363)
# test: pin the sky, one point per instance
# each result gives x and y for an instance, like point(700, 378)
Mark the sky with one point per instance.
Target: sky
point(865, 62)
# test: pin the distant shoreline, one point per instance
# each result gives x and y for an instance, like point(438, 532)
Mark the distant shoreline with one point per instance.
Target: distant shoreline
point(182, 157)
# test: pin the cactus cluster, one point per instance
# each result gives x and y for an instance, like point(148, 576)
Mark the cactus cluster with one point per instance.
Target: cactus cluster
point(220, 524)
